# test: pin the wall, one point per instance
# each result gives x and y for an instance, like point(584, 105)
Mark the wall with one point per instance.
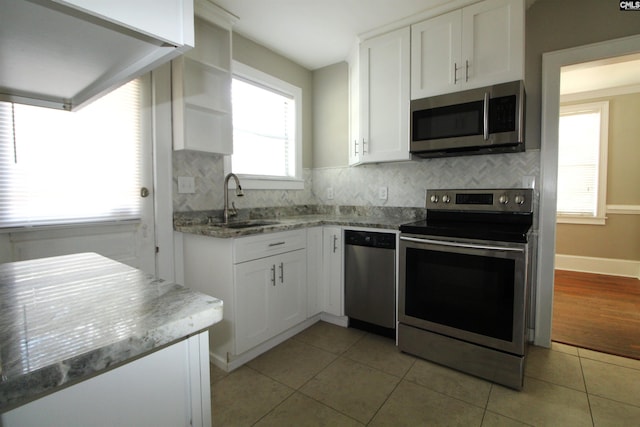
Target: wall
point(208, 169)
point(559, 24)
point(268, 61)
point(330, 115)
point(619, 237)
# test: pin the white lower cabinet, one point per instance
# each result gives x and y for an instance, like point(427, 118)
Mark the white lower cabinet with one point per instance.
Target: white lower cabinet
point(262, 281)
point(270, 297)
point(332, 272)
point(167, 388)
point(273, 286)
point(315, 279)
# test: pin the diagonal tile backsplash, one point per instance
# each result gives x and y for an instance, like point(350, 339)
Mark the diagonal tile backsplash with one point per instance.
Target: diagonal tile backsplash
point(406, 182)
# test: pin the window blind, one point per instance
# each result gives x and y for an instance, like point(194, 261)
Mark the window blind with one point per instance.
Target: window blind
point(263, 131)
point(58, 167)
point(578, 157)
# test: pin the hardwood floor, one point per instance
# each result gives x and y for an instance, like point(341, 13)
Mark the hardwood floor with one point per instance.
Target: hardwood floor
point(597, 312)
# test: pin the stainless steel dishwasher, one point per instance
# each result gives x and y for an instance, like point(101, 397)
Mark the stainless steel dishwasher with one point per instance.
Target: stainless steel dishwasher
point(369, 281)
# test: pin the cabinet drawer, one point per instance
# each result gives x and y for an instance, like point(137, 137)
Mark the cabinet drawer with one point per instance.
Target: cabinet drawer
point(254, 247)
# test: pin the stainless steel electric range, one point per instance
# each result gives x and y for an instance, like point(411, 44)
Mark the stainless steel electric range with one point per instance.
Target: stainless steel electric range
point(464, 282)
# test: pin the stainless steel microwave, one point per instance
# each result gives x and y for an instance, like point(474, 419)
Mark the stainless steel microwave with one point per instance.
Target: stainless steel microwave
point(477, 121)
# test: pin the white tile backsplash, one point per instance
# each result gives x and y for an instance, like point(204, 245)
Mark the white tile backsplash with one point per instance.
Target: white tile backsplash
point(406, 182)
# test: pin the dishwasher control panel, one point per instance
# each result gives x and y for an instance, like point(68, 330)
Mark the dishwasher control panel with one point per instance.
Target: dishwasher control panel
point(368, 238)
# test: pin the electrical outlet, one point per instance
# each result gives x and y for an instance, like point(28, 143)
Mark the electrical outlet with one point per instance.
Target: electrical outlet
point(186, 185)
point(382, 193)
point(330, 194)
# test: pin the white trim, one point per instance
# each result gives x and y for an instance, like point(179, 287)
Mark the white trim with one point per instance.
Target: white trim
point(551, 64)
point(623, 209)
point(163, 172)
point(428, 13)
point(601, 93)
point(335, 320)
point(286, 88)
point(256, 351)
point(608, 266)
point(577, 219)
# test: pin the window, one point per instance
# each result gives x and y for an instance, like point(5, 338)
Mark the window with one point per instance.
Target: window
point(58, 167)
point(582, 163)
point(267, 147)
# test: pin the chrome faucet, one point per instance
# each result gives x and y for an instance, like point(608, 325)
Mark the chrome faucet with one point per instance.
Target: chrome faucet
point(230, 212)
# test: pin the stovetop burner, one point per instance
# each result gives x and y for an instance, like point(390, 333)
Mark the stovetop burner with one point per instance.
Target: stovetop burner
point(496, 214)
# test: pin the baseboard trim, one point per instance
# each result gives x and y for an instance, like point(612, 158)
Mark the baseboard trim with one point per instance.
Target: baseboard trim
point(609, 266)
point(249, 355)
point(335, 320)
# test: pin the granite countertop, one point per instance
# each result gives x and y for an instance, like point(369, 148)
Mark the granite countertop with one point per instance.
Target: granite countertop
point(65, 319)
point(207, 223)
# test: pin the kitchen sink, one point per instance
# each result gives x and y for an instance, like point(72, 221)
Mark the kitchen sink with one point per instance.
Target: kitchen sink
point(247, 224)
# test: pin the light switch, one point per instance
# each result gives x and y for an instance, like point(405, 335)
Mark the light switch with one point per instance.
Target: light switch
point(186, 185)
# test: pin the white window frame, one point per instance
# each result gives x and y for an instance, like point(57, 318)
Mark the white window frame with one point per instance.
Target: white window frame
point(599, 218)
point(263, 182)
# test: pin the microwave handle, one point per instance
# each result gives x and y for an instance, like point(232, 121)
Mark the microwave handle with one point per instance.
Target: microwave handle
point(486, 116)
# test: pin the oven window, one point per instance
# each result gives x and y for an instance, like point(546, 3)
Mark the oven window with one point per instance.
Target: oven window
point(468, 292)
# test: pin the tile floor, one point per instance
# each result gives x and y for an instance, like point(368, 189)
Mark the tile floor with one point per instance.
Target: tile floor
point(333, 376)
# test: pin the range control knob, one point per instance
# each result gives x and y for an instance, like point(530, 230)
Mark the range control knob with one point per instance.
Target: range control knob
point(434, 198)
point(503, 199)
point(446, 199)
point(519, 200)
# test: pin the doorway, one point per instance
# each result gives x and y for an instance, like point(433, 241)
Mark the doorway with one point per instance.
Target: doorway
point(552, 65)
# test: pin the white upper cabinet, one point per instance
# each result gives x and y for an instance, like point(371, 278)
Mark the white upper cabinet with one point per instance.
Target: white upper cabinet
point(201, 87)
point(355, 142)
point(63, 54)
point(384, 90)
point(479, 45)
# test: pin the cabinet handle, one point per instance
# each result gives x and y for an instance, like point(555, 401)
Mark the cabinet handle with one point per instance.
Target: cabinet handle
point(273, 275)
point(335, 245)
point(486, 117)
point(466, 70)
point(281, 272)
point(275, 244)
point(364, 144)
point(455, 73)
point(355, 147)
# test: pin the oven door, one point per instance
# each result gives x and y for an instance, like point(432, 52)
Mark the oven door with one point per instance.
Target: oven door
point(471, 290)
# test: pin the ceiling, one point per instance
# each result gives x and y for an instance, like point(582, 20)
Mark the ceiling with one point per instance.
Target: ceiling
point(317, 33)
point(623, 71)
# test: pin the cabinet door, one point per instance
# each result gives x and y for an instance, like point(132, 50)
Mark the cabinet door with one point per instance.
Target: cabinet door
point(493, 41)
point(355, 141)
point(289, 302)
point(436, 66)
point(254, 282)
point(384, 96)
point(315, 284)
point(332, 269)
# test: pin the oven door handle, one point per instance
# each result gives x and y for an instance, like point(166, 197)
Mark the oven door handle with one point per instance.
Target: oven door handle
point(461, 245)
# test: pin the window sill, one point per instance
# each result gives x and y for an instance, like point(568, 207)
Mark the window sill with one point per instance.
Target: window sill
point(571, 219)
